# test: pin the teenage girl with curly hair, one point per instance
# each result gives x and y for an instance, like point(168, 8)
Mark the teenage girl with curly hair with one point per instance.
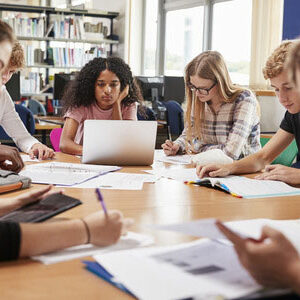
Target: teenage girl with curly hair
point(104, 90)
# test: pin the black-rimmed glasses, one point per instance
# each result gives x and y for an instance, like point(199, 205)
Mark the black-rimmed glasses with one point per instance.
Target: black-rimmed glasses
point(201, 91)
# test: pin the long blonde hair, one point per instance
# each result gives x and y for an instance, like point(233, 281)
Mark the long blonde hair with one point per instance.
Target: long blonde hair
point(207, 65)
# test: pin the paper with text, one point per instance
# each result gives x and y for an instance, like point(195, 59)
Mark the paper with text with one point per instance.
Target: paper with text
point(159, 155)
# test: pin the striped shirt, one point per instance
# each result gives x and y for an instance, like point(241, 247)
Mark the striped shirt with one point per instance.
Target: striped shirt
point(234, 128)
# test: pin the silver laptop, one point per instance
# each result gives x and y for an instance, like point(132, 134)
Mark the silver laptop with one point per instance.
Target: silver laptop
point(114, 142)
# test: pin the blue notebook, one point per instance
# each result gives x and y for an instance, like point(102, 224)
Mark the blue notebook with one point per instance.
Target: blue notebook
point(98, 270)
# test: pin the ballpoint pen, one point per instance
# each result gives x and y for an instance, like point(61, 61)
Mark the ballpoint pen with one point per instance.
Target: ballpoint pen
point(101, 200)
point(169, 133)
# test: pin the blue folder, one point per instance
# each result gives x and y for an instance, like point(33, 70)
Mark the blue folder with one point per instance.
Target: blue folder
point(98, 270)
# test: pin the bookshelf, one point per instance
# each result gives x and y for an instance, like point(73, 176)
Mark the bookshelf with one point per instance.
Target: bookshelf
point(64, 32)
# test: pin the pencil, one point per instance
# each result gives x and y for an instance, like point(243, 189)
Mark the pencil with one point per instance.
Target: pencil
point(169, 133)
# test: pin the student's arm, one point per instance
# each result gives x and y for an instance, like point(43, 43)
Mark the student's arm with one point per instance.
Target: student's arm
point(275, 263)
point(46, 237)
point(252, 163)
point(67, 144)
point(9, 204)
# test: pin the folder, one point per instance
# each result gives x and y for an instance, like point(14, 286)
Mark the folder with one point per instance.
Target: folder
point(101, 272)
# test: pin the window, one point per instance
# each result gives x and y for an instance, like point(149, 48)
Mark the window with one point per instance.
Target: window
point(150, 37)
point(232, 36)
point(184, 35)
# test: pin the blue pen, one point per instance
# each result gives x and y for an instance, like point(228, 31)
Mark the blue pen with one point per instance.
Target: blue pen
point(101, 200)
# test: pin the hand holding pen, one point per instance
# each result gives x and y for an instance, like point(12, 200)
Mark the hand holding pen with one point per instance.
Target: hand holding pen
point(105, 228)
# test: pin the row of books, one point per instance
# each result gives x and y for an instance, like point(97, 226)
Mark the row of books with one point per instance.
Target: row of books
point(63, 57)
point(31, 83)
point(29, 27)
point(60, 26)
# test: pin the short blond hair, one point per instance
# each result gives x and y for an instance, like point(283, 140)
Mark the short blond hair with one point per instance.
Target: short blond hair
point(293, 62)
point(276, 61)
point(17, 59)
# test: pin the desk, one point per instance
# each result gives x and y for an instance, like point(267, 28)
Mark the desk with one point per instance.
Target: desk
point(44, 127)
point(163, 202)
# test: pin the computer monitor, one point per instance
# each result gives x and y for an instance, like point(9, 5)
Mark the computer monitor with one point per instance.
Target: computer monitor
point(60, 82)
point(13, 87)
point(151, 87)
point(174, 88)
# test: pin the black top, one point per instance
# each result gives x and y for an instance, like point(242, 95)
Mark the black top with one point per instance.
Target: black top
point(10, 239)
point(291, 124)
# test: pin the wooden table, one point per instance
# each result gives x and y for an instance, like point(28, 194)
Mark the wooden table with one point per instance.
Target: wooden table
point(163, 202)
point(43, 127)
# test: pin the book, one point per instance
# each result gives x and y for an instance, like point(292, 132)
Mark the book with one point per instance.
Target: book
point(244, 187)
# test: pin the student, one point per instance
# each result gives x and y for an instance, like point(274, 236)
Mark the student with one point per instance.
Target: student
point(104, 90)
point(289, 97)
point(9, 118)
point(21, 240)
point(220, 115)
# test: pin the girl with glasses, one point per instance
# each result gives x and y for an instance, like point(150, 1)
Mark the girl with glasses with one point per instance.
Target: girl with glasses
point(104, 89)
point(219, 114)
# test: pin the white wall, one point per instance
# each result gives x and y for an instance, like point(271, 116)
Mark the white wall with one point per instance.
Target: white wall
point(119, 23)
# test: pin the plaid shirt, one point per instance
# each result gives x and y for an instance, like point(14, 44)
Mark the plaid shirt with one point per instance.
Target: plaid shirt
point(234, 129)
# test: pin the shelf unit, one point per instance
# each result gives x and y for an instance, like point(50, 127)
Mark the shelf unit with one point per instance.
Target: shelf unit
point(46, 12)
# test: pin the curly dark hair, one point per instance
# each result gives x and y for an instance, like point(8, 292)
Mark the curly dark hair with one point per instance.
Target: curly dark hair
point(81, 90)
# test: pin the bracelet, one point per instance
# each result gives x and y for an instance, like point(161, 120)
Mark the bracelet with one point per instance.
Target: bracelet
point(87, 231)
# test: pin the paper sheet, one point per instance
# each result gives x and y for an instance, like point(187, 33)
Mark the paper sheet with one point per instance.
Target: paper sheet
point(118, 181)
point(245, 228)
point(181, 174)
point(64, 173)
point(26, 157)
point(159, 155)
point(131, 240)
point(203, 268)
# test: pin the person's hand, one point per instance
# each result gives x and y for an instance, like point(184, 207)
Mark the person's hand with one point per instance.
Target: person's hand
point(281, 173)
point(170, 148)
point(212, 170)
point(41, 152)
point(106, 230)
point(10, 204)
point(123, 95)
point(11, 154)
point(272, 263)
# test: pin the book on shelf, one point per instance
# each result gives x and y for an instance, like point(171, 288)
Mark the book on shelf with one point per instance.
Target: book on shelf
point(27, 27)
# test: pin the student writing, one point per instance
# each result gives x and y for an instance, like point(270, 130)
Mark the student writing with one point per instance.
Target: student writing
point(219, 115)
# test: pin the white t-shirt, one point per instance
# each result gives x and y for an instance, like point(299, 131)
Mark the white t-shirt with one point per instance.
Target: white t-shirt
point(12, 124)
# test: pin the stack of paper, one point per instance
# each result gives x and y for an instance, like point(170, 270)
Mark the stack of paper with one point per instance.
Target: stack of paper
point(59, 173)
point(130, 240)
point(180, 174)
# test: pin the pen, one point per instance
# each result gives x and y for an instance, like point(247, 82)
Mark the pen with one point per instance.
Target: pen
point(100, 198)
point(169, 133)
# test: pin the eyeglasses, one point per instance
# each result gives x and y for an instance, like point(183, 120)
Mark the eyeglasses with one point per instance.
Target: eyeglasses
point(201, 90)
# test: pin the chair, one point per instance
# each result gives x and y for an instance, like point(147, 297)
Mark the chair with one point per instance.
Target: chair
point(36, 107)
point(287, 157)
point(149, 114)
point(174, 116)
point(27, 118)
point(55, 138)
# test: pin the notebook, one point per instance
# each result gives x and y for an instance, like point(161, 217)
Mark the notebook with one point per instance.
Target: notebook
point(42, 210)
point(244, 187)
point(114, 142)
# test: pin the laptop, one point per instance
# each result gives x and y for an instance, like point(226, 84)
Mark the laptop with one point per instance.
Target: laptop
point(117, 142)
